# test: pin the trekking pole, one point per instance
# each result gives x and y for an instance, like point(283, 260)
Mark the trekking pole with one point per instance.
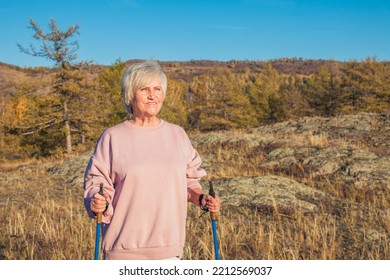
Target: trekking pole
point(214, 223)
point(98, 226)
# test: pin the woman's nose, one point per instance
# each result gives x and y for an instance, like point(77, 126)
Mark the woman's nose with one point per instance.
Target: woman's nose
point(151, 93)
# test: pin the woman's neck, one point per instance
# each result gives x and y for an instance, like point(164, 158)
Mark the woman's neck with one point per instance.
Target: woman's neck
point(145, 121)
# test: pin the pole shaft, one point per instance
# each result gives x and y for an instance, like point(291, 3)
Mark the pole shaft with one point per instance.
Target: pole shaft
point(215, 237)
point(97, 241)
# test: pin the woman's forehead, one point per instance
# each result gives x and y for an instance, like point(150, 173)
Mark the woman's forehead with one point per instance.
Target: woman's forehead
point(152, 79)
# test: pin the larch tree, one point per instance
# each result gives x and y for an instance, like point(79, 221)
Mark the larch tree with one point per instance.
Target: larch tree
point(218, 102)
point(110, 84)
point(174, 109)
point(376, 84)
point(323, 90)
point(55, 46)
point(366, 85)
point(264, 94)
point(290, 90)
point(353, 84)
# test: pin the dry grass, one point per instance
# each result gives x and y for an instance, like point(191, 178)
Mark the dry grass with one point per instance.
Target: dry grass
point(43, 218)
point(248, 235)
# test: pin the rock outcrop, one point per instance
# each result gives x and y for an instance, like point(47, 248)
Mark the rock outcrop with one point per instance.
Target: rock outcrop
point(268, 194)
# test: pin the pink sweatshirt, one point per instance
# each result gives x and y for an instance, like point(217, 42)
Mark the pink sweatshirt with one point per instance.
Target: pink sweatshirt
point(147, 173)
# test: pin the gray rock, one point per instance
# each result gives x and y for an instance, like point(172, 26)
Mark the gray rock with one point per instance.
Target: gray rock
point(359, 164)
point(72, 170)
point(269, 194)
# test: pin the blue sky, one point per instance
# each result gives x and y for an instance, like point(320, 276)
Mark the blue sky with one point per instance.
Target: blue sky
point(216, 30)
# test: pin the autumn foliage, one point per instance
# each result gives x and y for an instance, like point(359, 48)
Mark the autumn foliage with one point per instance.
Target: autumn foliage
point(32, 118)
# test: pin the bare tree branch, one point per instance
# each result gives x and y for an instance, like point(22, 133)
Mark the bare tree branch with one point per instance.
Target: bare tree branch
point(41, 128)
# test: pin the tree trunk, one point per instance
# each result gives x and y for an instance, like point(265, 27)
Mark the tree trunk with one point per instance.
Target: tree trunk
point(67, 130)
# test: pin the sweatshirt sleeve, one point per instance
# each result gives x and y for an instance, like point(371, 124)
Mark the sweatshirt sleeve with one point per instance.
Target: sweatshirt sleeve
point(194, 170)
point(98, 172)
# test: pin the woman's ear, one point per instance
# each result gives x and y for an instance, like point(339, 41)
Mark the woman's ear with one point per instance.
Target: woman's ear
point(129, 107)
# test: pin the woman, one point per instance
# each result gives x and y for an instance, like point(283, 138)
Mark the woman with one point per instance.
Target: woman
point(149, 171)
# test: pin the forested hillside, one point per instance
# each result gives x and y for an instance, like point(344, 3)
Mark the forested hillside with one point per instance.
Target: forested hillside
point(202, 96)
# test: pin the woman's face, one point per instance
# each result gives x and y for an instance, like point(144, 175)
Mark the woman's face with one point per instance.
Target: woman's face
point(148, 99)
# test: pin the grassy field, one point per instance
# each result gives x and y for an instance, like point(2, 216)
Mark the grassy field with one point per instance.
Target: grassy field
point(44, 218)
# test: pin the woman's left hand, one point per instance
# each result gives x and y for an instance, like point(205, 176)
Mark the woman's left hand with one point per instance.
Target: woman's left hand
point(213, 204)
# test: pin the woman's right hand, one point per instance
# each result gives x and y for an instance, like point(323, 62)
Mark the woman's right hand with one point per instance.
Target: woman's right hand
point(99, 203)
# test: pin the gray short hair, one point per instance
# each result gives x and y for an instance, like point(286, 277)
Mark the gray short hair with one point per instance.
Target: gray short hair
point(136, 77)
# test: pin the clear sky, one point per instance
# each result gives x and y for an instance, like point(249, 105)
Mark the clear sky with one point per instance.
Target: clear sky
point(220, 30)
